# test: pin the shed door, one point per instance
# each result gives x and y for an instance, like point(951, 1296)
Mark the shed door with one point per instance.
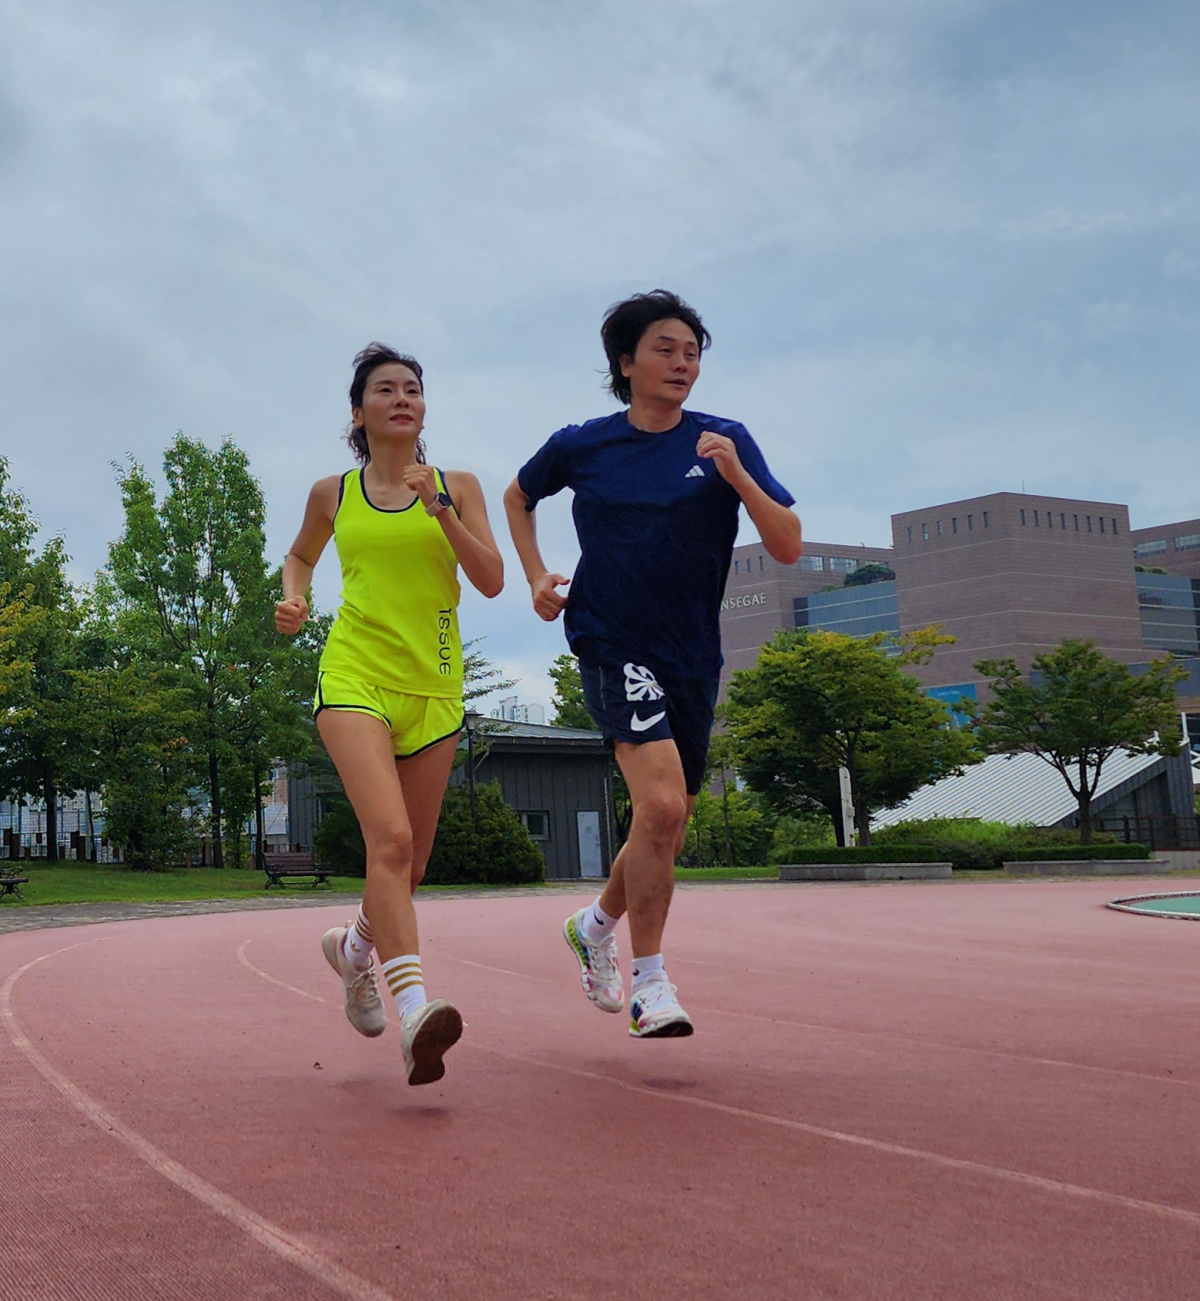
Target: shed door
point(591, 860)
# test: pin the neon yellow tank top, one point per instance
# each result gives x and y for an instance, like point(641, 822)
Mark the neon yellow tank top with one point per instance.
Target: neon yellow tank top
point(397, 627)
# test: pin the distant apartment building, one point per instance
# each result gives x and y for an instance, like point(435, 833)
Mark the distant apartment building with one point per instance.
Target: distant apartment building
point(511, 710)
point(1009, 575)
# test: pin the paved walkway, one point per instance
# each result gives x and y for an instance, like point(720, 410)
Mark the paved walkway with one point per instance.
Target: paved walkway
point(16, 917)
point(48, 916)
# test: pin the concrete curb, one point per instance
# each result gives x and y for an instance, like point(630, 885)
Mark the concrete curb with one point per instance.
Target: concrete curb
point(1090, 867)
point(865, 872)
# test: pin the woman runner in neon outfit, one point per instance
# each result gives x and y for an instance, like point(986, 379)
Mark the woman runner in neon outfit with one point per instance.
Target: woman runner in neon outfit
point(389, 691)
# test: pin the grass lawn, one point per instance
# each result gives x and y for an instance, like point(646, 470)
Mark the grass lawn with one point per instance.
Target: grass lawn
point(111, 883)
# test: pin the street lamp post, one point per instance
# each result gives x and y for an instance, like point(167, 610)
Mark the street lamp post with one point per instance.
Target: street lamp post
point(470, 718)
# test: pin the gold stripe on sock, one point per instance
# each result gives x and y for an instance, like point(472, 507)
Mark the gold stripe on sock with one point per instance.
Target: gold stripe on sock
point(364, 933)
point(404, 984)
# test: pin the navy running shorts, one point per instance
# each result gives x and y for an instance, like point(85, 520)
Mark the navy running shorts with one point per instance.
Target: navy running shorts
point(631, 703)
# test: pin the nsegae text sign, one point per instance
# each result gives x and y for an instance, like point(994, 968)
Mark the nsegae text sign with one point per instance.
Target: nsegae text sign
point(742, 602)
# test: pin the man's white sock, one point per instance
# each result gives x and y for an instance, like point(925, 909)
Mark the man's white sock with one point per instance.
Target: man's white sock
point(403, 976)
point(650, 968)
point(358, 945)
point(597, 925)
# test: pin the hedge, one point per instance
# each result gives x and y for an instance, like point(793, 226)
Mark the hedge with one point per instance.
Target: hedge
point(492, 848)
point(1053, 854)
point(870, 854)
point(967, 855)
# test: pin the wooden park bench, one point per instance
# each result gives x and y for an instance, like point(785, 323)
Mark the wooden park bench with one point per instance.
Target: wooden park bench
point(12, 884)
point(292, 866)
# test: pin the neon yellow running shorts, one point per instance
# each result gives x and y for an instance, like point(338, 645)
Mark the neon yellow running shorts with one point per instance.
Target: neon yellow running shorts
point(415, 722)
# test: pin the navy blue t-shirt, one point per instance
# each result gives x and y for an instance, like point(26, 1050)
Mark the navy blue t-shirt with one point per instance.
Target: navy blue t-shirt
point(656, 526)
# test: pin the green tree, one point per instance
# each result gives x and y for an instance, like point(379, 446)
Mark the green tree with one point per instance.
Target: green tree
point(37, 750)
point(491, 847)
point(817, 701)
point(570, 708)
point(727, 829)
point(1076, 710)
point(196, 601)
point(874, 571)
point(480, 676)
point(18, 623)
point(271, 709)
point(136, 727)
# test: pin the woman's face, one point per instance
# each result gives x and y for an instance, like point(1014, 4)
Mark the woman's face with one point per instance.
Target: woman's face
point(393, 404)
point(665, 364)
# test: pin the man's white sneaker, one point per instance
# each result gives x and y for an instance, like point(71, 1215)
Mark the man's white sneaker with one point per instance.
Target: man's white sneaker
point(655, 1012)
point(427, 1033)
point(598, 970)
point(364, 1006)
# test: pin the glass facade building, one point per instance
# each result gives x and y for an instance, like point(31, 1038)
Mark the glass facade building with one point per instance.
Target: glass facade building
point(1170, 608)
point(855, 611)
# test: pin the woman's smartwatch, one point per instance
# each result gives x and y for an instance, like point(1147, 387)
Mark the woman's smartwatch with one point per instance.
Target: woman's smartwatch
point(441, 502)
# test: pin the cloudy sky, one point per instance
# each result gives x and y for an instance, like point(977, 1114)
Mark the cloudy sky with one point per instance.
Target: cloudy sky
point(945, 247)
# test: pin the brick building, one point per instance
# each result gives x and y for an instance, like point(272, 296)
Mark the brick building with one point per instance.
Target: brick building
point(1011, 575)
point(1008, 574)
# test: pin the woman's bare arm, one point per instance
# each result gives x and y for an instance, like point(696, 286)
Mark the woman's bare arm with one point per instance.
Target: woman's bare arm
point(314, 535)
point(470, 534)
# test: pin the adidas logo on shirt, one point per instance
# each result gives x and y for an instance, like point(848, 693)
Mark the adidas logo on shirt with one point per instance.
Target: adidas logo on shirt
point(696, 472)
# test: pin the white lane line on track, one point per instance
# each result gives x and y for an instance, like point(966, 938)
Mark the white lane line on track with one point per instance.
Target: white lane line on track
point(924, 1043)
point(504, 971)
point(258, 971)
point(285, 1245)
point(844, 1030)
point(1078, 1191)
point(958, 1048)
point(1039, 1182)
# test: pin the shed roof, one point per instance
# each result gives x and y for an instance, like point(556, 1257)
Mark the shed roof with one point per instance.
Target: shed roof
point(543, 731)
point(1016, 788)
point(497, 727)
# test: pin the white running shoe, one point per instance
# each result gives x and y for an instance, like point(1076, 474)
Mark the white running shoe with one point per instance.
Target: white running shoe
point(598, 970)
point(427, 1033)
point(655, 1012)
point(364, 1006)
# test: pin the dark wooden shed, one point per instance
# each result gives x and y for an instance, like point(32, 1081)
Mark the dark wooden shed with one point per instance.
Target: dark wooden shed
point(559, 780)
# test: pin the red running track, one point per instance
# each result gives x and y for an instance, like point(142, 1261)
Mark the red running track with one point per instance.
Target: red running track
point(912, 1091)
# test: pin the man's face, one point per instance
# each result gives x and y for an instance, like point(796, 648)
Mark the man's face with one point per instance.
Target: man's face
point(665, 365)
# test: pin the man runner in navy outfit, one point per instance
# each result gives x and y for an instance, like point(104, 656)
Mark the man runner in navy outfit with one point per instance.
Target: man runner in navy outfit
point(657, 493)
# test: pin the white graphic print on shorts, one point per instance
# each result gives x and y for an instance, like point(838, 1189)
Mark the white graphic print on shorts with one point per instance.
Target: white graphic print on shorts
point(641, 684)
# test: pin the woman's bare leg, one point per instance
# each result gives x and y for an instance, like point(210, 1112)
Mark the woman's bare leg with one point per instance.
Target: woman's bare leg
point(361, 749)
point(423, 780)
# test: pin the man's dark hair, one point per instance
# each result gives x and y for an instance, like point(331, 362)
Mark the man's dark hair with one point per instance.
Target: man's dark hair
point(370, 359)
point(626, 322)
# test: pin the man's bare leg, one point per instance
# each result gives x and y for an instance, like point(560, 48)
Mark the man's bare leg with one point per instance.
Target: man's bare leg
point(645, 871)
point(640, 884)
point(613, 899)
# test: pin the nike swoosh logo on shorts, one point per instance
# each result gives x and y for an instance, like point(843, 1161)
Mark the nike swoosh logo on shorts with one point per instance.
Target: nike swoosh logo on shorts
point(641, 724)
